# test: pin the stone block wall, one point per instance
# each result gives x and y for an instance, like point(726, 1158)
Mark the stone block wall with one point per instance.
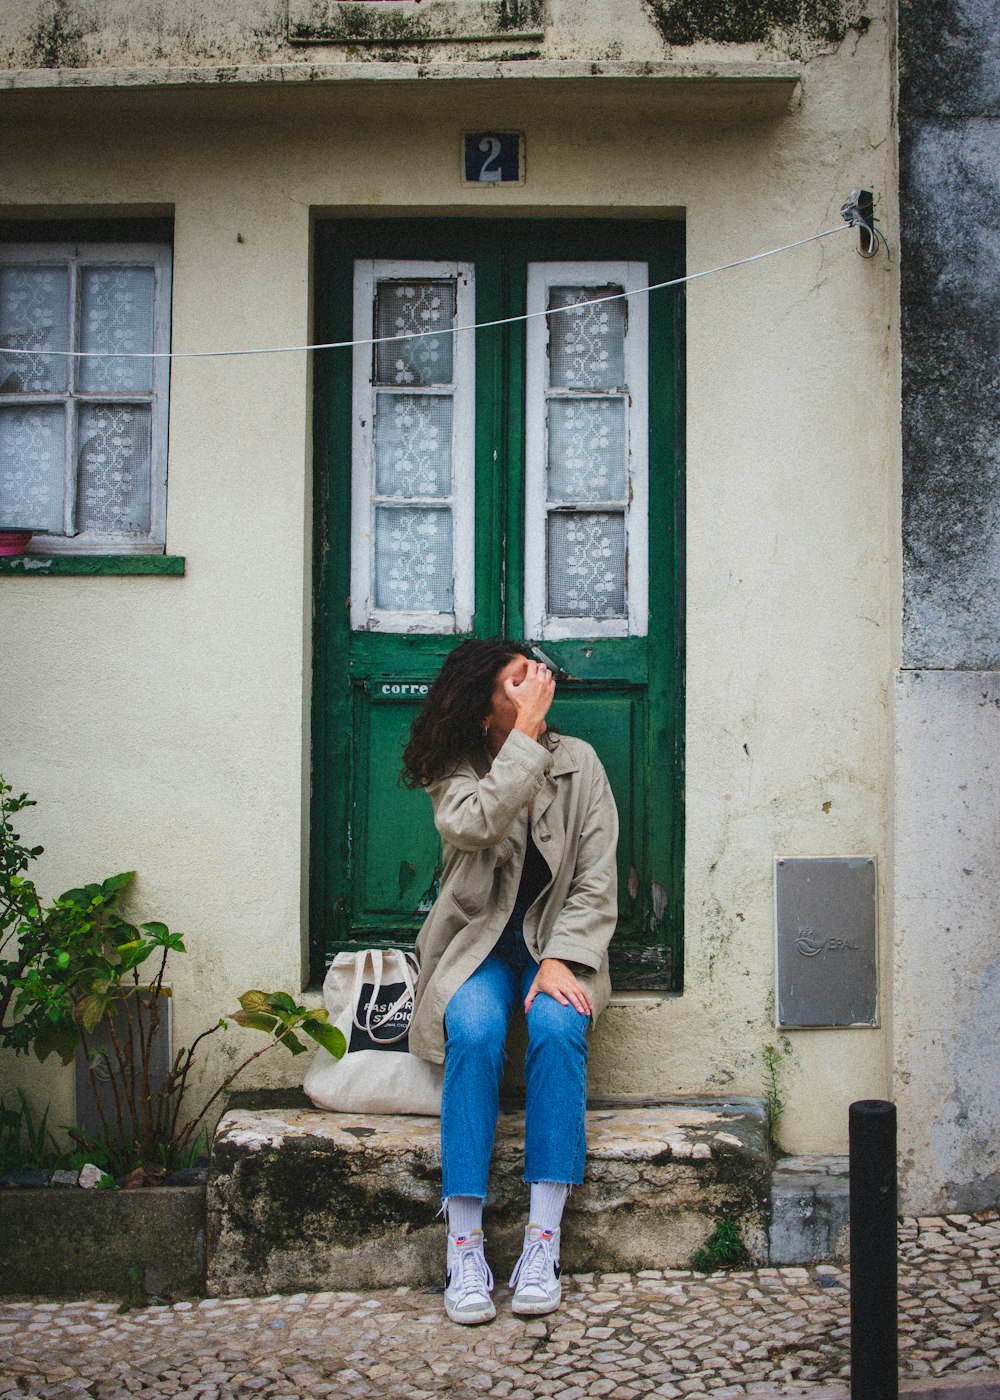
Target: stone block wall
point(947, 994)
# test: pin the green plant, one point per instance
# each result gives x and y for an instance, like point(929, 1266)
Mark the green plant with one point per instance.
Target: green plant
point(73, 966)
point(772, 1055)
point(25, 1144)
point(91, 1150)
point(724, 1248)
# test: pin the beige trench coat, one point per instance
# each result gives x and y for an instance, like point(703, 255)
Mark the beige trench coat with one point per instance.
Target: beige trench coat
point(480, 813)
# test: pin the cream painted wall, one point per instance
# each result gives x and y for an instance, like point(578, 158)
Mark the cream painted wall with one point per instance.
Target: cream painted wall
point(160, 721)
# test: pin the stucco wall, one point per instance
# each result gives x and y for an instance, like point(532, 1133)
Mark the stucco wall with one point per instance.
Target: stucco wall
point(948, 749)
point(161, 722)
point(947, 951)
point(127, 33)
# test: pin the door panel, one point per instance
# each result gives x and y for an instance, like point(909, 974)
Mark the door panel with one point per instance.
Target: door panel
point(614, 724)
point(395, 849)
point(375, 854)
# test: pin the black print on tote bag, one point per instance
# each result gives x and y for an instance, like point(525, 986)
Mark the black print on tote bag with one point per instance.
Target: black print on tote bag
point(384, 1033)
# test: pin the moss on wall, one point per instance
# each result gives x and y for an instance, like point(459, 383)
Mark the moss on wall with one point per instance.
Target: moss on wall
point(55, 40)
point(754, 21)
point(358, 22)
point(321, 22)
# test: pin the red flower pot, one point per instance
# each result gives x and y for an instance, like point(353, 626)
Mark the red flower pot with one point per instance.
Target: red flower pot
point(14, 541)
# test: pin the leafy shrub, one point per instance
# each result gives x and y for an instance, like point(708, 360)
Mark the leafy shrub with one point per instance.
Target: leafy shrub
point(74, 965)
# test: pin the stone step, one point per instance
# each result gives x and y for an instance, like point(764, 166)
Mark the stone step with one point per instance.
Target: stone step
point(300, 1199)
point(810, 1210)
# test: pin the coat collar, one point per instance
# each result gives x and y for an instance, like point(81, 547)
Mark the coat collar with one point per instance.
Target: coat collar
point(563, 761)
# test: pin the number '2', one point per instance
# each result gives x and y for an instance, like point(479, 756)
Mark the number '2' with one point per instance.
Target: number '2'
point(490, 169)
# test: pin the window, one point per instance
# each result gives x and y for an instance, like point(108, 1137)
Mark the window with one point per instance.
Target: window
point(414, 481)
point(586, 428)
point(83, 441)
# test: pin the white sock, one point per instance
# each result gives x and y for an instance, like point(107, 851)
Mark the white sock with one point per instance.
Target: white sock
point(463, 1214)
point(547, 1201)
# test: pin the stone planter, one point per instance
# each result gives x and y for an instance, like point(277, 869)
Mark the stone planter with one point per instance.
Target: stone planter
point(63, 1242)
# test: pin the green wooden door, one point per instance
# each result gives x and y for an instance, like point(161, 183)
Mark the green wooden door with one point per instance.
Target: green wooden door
point(522, 480)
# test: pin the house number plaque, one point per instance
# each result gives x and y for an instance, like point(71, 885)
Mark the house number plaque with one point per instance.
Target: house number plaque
point(493, 158)
point(827, 971)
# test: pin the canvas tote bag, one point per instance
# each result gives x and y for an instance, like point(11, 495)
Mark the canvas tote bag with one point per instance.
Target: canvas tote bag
point(369, 997)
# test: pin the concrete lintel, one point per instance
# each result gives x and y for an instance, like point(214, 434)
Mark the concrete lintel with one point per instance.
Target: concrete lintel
point(772, 84)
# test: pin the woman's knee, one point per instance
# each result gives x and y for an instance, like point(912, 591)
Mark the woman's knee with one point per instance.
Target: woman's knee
point(550, 1024)
point(474, 1027)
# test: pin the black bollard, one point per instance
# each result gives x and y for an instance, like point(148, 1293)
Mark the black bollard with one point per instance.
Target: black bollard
point(874, 1338)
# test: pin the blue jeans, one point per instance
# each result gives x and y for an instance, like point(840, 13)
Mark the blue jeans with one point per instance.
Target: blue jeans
point(555, 1073)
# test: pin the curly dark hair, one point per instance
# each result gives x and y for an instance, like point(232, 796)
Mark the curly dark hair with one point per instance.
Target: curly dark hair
point(450, 723)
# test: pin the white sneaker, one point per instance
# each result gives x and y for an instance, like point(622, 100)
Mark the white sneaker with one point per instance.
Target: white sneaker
point(468, 1283)
point(535, 1279)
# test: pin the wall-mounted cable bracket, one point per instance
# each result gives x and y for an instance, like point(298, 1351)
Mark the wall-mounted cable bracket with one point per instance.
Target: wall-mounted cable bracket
point(859, 211)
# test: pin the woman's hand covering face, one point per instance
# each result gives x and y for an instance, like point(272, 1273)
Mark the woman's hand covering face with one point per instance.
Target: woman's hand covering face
point(521, 698)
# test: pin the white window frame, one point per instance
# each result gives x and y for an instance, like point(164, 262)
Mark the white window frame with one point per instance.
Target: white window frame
point(74, 256)
point(632, 276)
point(364, 615)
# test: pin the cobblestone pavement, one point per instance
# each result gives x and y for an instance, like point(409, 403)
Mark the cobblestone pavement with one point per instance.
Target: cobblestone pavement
point(657, 1333)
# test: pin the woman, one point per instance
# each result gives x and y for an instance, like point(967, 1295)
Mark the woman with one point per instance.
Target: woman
point(525, 913)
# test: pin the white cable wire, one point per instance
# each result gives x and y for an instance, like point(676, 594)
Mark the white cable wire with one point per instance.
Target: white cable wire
point(417, 335)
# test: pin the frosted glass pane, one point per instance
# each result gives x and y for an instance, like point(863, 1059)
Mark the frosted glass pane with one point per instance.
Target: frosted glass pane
point(116, 313)
point(32, 457)
point(587, 450)
point(33, 316)
point(587, 343)
point(413, 568)
point(406, 308)
point(413, 445)
point(113, 465)
point(586, 565)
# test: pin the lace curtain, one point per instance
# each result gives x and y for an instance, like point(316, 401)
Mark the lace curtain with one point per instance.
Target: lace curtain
point(32, 470)
point(413, 553)
point(34, 315)
point(405, 309)
point(587, 455)
point(111, 486)
point(587, 450)
point(586, 343)
point(113, 468)
point(116, 313)
point(413, 558)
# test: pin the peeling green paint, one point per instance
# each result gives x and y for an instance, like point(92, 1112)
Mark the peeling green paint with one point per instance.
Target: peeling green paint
point(684, 22)
point(61, 565)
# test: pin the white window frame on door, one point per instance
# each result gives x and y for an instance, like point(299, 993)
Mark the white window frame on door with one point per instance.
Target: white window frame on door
point(632, 277)
point(364, 500)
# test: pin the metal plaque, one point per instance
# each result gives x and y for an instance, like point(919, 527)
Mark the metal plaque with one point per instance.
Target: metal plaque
point(826, 961)
point(493, 157)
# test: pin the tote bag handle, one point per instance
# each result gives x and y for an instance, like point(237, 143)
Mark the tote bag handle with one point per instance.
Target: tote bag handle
point(368, 1025)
